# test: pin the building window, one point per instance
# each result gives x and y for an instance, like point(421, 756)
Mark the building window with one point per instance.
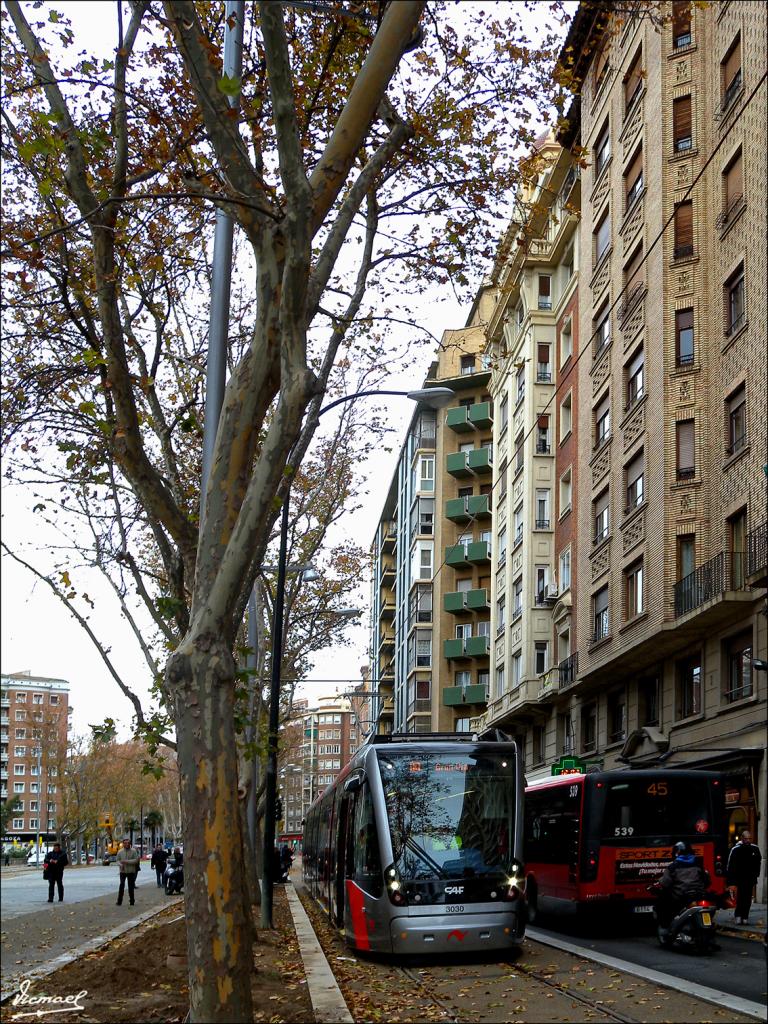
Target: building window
point(21, 716)
point(462, 679)
point(688, 697)
point(54, 699)
point(681, 24)
point(737, 531)
point(19, 769)
point(520, 382)
point(602, 422)
point(542, 435)
point(504, 413)
point(565, 733)
point(648, 701)
point(34, 823)
point(517, 598)
point(501, 614)
point(18, 787)
point(600, 614)
point(733, 190)
point(502, 540)
point(543, 366)
point(517, 668)
point(588, 726)
point(542, 509)
point(499, 680)
point(18, 823)
point(519, 453)
point(467, 365)
point(566, 341)
point(541, 654)
point(601, 237)
point(423, 648)
point(736, 411)
point(681, 124)
point(735, 307)
point(565, 569)
point(635, 378)
point(633, 180)
point(565, 491)
point(566, 416)
point(427, 473)
point(600, 514)
point(602, 330)
point(633, 81)
point(634, 590)
point(634, 280)
point(686, 449)
point(739, 668)
point(684, 337)
point(602, 149)
point(617, 716)
point(545, 291)
point(21, 734)
point(542, 583)
point(425, 563)
point(730, 74)
point(683, 230)
point(686, 555)
point(19, 751)
point(635, 482)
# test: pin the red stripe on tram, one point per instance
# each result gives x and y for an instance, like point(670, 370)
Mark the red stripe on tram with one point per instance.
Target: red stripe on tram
point(356, 900)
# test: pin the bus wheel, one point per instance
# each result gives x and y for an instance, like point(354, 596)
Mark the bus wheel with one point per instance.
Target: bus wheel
point(533, 901)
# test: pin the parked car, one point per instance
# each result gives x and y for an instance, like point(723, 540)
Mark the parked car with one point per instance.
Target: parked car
point(35, 858)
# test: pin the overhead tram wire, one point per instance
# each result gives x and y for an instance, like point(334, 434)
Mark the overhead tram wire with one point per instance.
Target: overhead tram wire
point(587, 347)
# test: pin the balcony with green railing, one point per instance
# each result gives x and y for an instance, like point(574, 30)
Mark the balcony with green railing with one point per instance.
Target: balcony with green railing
point(480, 461)
point(466, 601)
point(471, 506)
point(479, 552)
point(480, 415)
point(454, 696)
point(456, 556)
point(456, 464)
point(466, 647)
point(458, 419)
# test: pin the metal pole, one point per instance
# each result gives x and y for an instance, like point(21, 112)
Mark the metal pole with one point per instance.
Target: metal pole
point(221, 271)
point(270, 794)
point(250, 663)
point(41, 795)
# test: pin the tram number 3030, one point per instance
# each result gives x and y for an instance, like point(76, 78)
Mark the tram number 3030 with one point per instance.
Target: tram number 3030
point(454, 908)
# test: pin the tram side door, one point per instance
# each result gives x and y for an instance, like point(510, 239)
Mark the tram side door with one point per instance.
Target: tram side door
point(344, 850)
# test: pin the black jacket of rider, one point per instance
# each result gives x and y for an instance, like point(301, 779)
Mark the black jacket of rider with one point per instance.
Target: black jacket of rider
point(684, 880)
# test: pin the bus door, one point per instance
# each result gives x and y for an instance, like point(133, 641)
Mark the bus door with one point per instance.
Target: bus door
point(344, 846)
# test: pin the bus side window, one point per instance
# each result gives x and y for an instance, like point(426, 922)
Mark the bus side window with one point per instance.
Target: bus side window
point(367, 861)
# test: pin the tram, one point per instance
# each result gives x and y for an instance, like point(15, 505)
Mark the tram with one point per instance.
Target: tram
point(417, 846)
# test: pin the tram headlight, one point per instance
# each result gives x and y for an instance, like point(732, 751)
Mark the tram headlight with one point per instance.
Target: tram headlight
point(394, 887)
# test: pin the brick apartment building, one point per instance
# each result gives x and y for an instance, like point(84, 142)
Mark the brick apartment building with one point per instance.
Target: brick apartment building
point(34, 721)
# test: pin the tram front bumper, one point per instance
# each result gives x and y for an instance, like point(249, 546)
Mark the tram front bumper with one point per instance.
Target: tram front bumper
point(441, 933)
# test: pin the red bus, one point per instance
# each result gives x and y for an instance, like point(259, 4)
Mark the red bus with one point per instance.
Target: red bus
point(600, 838)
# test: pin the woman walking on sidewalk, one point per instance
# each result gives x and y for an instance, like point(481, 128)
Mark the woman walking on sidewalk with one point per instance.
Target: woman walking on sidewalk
point(53, 870)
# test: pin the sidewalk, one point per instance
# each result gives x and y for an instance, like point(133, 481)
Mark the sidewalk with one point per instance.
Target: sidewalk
point(755, 927)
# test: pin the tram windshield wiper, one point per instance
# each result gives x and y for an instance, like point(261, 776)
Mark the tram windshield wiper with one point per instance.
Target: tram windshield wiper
point(424, 856)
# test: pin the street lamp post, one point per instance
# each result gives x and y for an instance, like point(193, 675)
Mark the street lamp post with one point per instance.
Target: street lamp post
point(434, 397)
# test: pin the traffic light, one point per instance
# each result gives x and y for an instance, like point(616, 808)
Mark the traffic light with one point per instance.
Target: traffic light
point(278, 809)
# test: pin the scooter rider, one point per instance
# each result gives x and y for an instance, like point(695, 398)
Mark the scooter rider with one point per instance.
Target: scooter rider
point(682, 882)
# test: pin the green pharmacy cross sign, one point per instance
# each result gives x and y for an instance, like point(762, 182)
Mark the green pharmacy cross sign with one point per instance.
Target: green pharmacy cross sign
point(569, 766)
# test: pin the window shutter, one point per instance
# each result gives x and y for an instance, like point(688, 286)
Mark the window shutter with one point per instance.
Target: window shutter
point(635, 469)
point(633, 272)
point(737, 399)
point(633, 80)
point(601, 600)
point(734, 182)
point(732, 64)
point(545, 282)
point(602, 408)
point(684, 320)
point(543, 422)
point(685, 445)
point(543, 354)
point(681, 118)
point(634, 171)
point(684, 226)
point(601, 503)
point(603, 236)
point(636, 364)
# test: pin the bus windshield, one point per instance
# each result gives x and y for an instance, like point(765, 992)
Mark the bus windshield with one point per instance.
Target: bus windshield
point(450, 815)
point(663, 807)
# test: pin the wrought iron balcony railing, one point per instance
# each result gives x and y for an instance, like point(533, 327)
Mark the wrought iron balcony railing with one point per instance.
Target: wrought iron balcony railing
point(722, 573)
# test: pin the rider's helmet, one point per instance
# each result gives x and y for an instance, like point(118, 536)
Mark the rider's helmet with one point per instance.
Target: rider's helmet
point(680, 848)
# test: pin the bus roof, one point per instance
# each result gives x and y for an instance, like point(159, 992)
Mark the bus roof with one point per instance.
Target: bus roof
point(619, 773)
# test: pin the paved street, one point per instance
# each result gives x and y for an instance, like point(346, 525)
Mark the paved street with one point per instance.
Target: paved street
point(26, 891)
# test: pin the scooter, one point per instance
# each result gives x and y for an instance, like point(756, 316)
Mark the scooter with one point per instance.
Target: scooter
point(173, 879)
point(693, 927)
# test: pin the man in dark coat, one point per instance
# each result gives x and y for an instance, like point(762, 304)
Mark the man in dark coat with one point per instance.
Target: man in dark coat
point(53, 869)
point(159, 860)
point(743, 869)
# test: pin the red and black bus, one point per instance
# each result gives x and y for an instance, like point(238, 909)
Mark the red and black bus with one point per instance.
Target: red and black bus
point(600, 838)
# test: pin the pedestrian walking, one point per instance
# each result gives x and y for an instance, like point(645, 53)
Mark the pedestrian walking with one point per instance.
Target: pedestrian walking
point(127, 864)
point(53, 870)
point(743, 869)
point(158, 862)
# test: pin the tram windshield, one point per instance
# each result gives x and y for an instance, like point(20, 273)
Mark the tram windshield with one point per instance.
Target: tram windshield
point(450, 815)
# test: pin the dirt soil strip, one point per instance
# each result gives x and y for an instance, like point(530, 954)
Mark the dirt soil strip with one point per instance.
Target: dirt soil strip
point(527, 988)
point(132, 979)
